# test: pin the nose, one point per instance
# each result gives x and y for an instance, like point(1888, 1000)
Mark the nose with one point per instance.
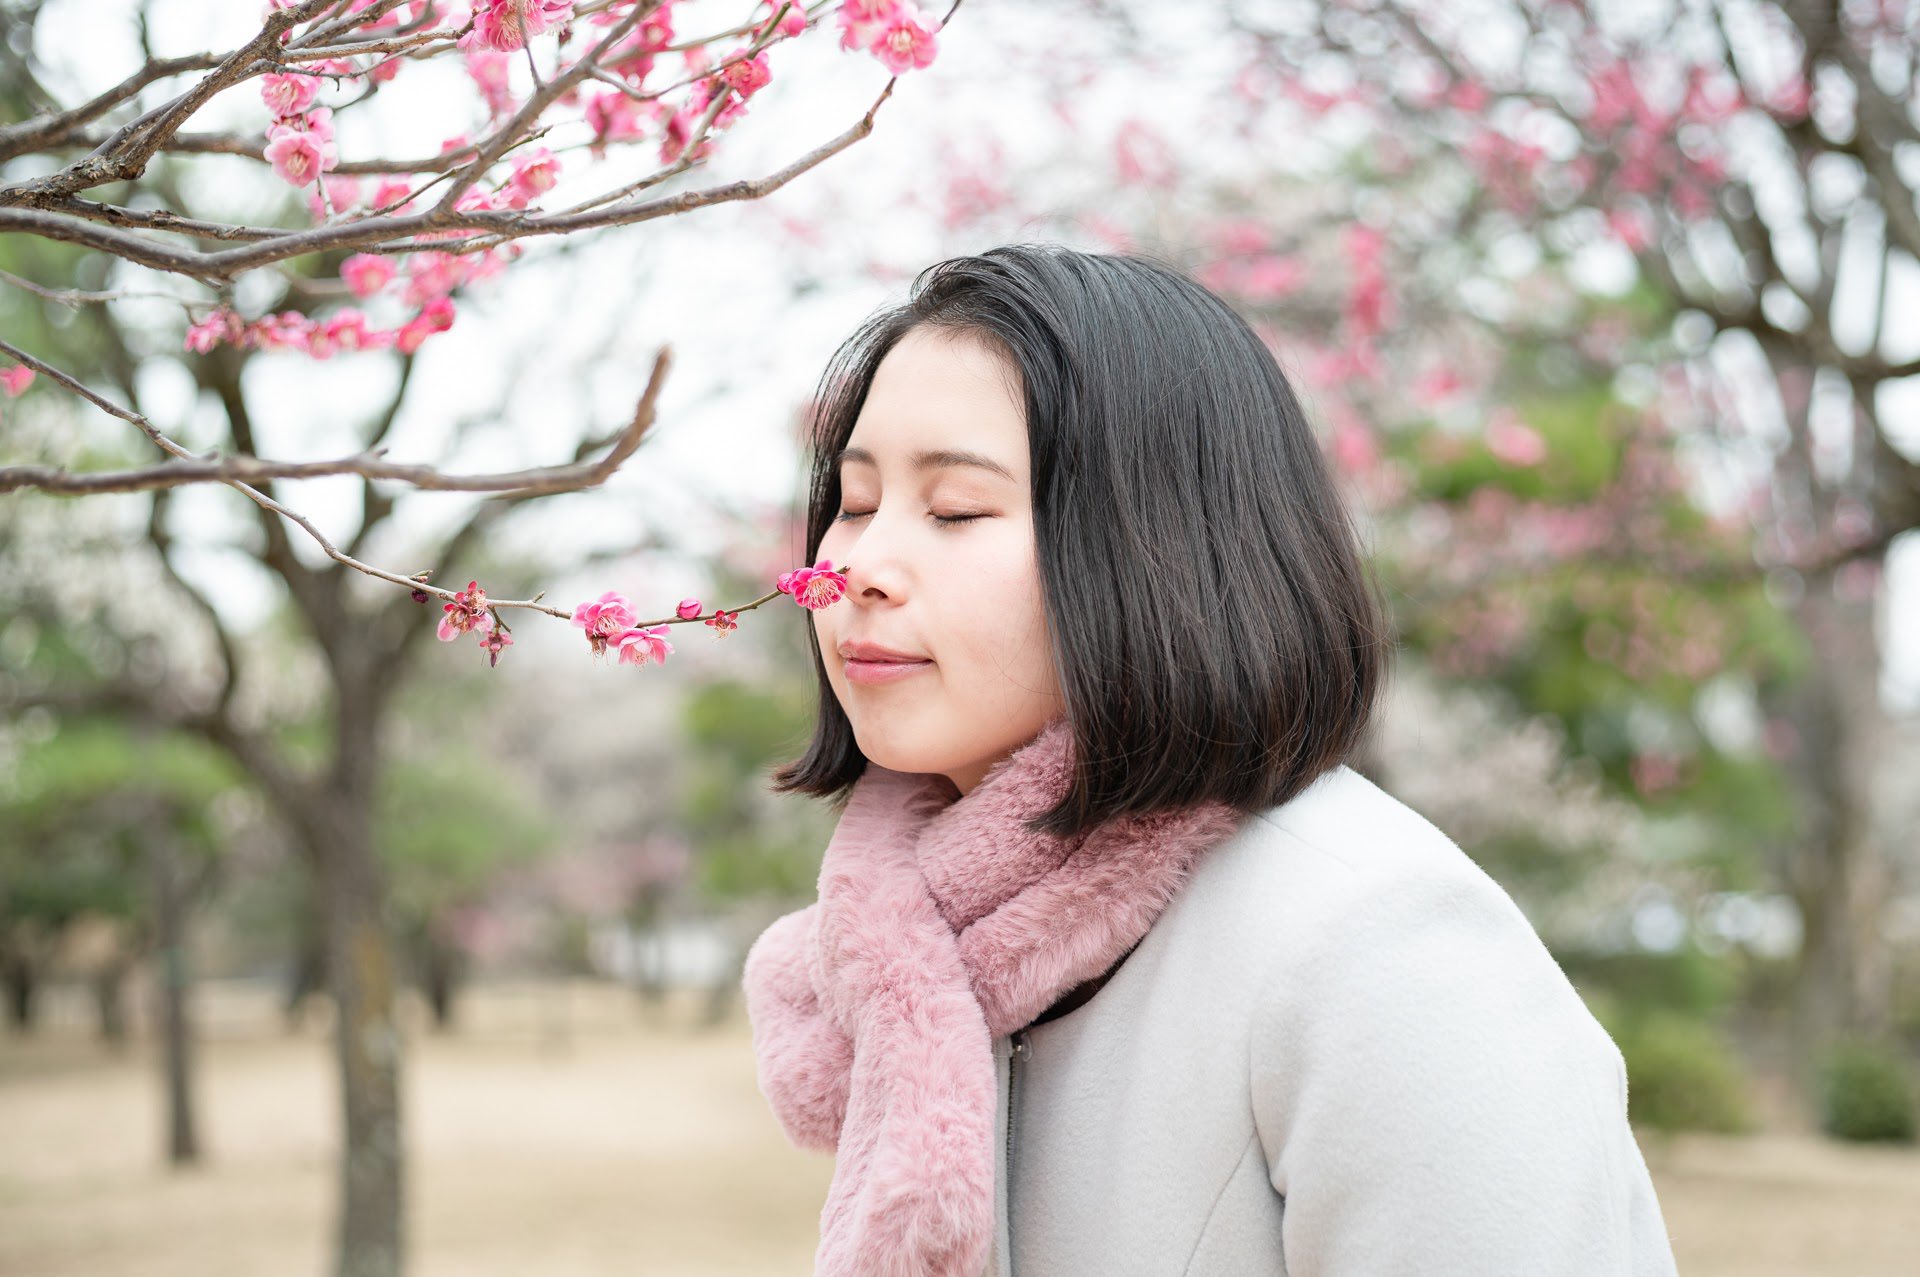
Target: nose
point(876, 572)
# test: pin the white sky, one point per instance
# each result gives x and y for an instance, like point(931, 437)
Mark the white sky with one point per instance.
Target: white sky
point(551, 352)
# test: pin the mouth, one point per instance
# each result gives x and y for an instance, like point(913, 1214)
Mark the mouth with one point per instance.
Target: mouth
point(872, 665)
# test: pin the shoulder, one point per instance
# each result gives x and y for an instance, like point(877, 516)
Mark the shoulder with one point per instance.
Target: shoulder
point(1367, 928)
point(1398, 948)
point(1340, 854)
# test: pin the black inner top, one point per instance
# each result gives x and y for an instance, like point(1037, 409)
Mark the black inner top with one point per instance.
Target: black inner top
point(1081, 994)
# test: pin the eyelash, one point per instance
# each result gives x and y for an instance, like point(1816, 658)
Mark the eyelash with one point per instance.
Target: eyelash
point(846, 516)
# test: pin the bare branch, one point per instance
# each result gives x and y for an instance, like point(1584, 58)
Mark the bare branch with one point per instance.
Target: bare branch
point(193, 468)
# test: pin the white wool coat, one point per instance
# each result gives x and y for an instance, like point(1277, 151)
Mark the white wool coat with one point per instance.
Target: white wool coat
point(1341, 1051)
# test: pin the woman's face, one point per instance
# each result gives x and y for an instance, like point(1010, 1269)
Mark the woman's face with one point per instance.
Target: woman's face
point(942, 436)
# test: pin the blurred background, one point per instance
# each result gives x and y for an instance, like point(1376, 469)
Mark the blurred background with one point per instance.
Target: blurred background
point(1608, 315)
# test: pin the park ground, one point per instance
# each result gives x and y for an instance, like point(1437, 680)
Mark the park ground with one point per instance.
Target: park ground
point(572, 1131)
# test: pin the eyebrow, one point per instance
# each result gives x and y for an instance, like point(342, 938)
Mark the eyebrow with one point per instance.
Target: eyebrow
point(929, 459)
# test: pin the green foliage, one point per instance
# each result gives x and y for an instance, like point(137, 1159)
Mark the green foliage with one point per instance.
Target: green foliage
point(1688, 981)
point(73, 803)
point(447, 823)
point(1867, 1092)
point(1682, 1073)
point(736, 732)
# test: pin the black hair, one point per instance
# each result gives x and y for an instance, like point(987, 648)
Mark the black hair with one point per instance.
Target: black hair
point(1214, 629)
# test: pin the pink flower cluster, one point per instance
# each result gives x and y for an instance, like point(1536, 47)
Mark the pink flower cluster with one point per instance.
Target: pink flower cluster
point(894, 31)
point(504, 25)
point(299, 144)
point(469, 614)
point(815, 587)
point(610, 621)
point(345, 329)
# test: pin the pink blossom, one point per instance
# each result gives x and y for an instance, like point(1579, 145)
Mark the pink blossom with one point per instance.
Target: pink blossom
point(904, 44)
point(680, 132)
point(345, 329)
point(534, 174)
point(366, 273)
point(688, 609)
point(288, 94)
point(319, 123)
point(467, 612)
point(615, 116)
point(724, 622)
point(505, 24)
point(487, 68)
point(605, 619)
point(863, 21)
point(637, 647)
point(792, 22)
point(816, 587)
point(1438, 383)
point(389, 191)
point(435, 317)
point(749, 75)
point(220, 325)
point(287, 330)
point(1513, 441)
point(296, 156)
point(16, 379)
point(493, 642)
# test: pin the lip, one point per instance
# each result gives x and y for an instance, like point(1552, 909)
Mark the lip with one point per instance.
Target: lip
point(871, 663)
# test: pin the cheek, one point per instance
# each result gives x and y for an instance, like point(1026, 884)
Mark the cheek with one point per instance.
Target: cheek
point(996, 619)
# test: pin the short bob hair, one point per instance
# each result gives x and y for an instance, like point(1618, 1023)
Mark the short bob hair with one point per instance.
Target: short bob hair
point(1213, 627)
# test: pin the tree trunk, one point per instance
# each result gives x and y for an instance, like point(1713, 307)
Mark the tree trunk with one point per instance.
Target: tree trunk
point(439, 976)
point(171, 997)
point(110, 1001)
point(307, 973)
point(22, 984)
point(360, 968)
point(1838, 870)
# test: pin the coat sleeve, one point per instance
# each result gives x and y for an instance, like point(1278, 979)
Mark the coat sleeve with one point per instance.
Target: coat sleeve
point(1433, 1097)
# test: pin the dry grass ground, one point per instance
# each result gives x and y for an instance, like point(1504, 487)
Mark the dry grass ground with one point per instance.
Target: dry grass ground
point(577, 1134)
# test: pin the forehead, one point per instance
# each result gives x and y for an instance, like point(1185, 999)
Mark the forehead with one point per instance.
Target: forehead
point(939, 388)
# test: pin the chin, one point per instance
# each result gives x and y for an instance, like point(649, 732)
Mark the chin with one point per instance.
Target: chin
point(904, 751)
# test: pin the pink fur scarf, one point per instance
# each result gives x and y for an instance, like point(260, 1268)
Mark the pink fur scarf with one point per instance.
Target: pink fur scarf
point(942, 923)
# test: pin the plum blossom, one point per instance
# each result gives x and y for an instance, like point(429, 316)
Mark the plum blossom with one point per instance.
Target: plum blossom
point(220, 325)
point(894, 31)
point(494, 642)
point(15, 380)
point(504, 25)
point(605, 619)
point(816, 587)
point(905, 44)
point(792, 22)
point(534, 173)
point(288, 94)
point(723, 622)
point(297, 157)
point(366, 273)
point(637, 647)
point(688, 609)
point(435, 317)
point(749, 75)
point(467, 612)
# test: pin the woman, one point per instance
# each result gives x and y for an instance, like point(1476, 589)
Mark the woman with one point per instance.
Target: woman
point(1117, 966)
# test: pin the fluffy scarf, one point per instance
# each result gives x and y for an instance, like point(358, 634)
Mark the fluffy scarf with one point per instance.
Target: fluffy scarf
point(942, 923)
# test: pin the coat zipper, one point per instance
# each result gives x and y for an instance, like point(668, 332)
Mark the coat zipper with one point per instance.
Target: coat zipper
point(1020, 1047)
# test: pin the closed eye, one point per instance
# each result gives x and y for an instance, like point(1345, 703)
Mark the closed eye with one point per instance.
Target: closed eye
point(848, 516)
